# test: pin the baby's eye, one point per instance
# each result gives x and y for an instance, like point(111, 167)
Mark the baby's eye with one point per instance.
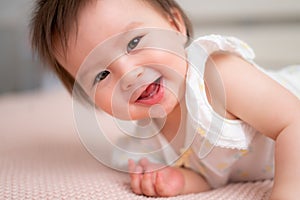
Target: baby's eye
point(101, 76)
point(133, 43)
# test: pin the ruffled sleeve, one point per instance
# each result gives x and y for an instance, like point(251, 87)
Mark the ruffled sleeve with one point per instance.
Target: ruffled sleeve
point(213, 43)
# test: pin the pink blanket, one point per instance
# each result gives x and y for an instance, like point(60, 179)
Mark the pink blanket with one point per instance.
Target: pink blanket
point(41, 157)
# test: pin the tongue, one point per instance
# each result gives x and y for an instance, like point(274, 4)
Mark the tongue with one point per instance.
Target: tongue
point(149, 90)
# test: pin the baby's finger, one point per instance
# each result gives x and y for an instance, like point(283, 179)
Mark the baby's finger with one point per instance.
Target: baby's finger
point(135, 183)
point(149, 166)
point(136, 176)
point(160, 185)
point(144, 162)
point(147, 185)
point(131, 166)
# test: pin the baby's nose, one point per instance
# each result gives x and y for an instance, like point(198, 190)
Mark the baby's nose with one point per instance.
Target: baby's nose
point(131, 77)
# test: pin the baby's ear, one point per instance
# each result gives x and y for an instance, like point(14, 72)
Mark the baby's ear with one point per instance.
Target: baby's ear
point(177, 22)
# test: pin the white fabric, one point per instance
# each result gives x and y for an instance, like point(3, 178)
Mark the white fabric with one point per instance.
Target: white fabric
point(225, 150)
point(229, 133)
point(221, 150)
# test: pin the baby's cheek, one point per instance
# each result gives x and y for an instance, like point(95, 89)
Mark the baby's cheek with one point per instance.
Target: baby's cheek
point(103, 102)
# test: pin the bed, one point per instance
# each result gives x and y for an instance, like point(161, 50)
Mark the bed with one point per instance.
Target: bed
point(41, 156)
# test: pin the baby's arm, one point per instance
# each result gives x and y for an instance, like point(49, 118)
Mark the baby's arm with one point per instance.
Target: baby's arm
point(255, 98)
point(152, 179)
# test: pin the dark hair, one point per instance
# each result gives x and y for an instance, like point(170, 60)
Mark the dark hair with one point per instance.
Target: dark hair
point(52, 21)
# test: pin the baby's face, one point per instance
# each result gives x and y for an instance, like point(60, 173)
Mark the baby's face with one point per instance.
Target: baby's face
point(129, 58)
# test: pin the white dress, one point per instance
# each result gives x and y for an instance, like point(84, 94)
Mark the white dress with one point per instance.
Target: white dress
point(225, 150)
point(221, 150)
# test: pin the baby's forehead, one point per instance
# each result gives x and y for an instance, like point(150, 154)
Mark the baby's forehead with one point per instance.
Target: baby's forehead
point(86, 25)
point(155, 5)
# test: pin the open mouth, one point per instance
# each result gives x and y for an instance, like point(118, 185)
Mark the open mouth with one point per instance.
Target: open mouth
point(152, 94)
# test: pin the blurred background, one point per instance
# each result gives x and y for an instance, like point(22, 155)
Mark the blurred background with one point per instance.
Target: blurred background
point(270, 27)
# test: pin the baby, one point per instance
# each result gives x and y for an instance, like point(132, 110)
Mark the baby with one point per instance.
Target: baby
point(223, 115)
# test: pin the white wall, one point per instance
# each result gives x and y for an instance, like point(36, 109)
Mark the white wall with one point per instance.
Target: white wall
point(18, 69)
point(270, 27)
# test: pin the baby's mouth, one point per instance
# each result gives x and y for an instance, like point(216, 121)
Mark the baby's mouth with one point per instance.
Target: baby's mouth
point(150, 90)
point(152, 94)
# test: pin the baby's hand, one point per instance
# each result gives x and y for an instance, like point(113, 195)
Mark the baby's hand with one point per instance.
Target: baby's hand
point(155, 180)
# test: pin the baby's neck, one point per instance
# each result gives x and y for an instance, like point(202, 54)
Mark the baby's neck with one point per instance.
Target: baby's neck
point(174, 126)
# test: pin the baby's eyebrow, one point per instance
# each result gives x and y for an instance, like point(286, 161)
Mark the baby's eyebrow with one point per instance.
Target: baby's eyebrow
point(132, 25)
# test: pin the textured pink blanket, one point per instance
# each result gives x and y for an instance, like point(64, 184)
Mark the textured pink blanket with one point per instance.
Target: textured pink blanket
point(41, 157)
